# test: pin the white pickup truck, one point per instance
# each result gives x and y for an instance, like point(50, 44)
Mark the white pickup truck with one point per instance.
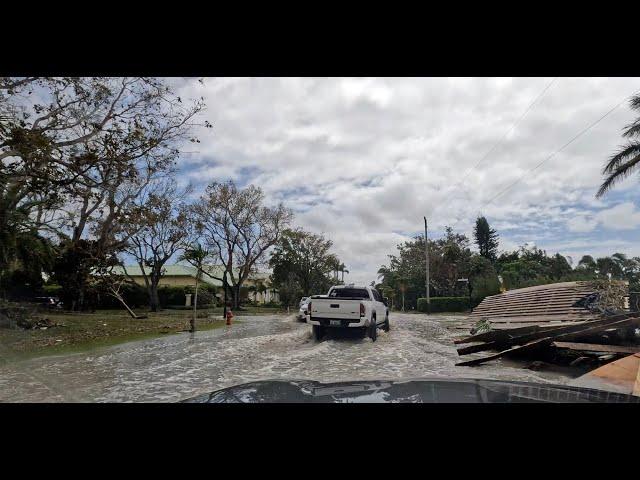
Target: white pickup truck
point(348, 306)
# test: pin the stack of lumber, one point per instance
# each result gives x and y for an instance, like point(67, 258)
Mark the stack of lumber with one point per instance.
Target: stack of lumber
point(530, 338)
point(542, 304)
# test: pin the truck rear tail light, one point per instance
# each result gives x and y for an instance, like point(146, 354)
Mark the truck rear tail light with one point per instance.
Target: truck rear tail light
point(362, 309)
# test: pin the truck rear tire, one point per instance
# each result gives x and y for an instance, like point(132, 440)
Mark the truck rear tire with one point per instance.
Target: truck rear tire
point(386, 327)
point(373, 330)
point(318, 332)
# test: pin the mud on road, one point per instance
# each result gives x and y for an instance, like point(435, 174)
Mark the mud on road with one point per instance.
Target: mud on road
point(262, 347)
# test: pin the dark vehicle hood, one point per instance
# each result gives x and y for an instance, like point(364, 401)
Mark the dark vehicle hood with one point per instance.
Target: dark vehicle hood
point(426, 390)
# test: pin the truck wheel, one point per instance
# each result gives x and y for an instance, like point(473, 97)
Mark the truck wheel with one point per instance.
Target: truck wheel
point(386, 327)
point(318, 332)
point(373, 330)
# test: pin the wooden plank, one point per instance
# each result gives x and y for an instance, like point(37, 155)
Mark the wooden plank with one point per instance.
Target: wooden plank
point(521, 307)
point(619, 376)
point(569, 332)
point(548, 306)
point(539, 319)
point(541, 294)
point(636, 386)
point(569, 299)
point(592, 347)
point(520, 348)
point(500, 334)
point(517, 312)
point(549, 298)
point(546, 324)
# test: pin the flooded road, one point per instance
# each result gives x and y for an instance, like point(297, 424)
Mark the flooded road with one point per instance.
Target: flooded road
point(180, 366)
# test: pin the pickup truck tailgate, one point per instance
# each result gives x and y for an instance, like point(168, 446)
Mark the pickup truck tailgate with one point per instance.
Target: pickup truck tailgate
point(341, 308)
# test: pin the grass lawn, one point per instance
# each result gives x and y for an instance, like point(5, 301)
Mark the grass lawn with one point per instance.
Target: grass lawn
point(86, 331)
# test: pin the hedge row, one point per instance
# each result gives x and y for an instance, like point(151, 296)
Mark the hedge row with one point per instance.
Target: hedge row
point(444, 304)
point(136, 296)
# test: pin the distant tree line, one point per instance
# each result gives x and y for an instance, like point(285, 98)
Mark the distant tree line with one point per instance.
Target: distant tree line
point(402, 279)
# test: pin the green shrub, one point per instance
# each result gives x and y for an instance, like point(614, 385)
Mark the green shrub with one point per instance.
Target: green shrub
point(175, 296)
point(444, 304)
point(137, 296)
point(51, 290)
point(483, 287)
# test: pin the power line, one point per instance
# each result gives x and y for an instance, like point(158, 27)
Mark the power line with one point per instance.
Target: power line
point(539, 164)
point(504, 136)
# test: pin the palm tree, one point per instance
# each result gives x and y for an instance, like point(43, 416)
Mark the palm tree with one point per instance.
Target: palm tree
point(627, 160)
point(343, 268)
point(195, 255)
point(587, 263)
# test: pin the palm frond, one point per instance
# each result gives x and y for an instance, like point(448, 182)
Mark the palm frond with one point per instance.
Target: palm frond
point(621, 157)
point(619, 169)
point(632, 130)
point(634, 103)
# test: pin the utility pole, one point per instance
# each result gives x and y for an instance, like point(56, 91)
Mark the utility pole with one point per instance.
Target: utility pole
point(426, 259)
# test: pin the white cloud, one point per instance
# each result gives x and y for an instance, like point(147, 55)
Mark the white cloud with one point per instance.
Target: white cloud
point(582, 223)
point(623, 216)
point(360, 158)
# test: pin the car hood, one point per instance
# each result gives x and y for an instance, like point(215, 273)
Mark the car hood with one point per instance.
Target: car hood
point(424, 390)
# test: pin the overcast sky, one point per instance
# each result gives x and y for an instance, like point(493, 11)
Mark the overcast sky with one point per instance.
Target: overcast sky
point(362, 160)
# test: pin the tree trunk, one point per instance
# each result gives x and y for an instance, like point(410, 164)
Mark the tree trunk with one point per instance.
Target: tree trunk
point(154, 300)
point(121, 300)
point(236, 296)
point(81, 299)
point(195, 306)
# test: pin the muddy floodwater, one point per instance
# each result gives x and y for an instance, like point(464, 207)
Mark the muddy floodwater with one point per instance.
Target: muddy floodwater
point(177, 367)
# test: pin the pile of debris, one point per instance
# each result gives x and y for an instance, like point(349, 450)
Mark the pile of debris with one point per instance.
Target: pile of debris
point(14, 315)
point(556, 302)
point(38, 323)
point(556, 320)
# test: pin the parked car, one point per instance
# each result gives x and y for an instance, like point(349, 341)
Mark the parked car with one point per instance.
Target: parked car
point(349, 306)
point(302, 312)
point(49, 302)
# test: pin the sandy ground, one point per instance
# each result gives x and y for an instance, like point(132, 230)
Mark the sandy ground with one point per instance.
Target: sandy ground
point(180, 366)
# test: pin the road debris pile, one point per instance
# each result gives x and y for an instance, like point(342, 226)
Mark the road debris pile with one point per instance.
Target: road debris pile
point(38, 323)
point(13, 315)
point(565, 322)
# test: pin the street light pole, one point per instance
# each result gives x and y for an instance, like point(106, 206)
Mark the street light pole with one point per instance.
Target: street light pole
point(426, 258)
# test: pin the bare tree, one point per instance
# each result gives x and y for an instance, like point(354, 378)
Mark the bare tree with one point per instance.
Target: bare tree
point(239, 229)
point(158, 230)
point(75, 152)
